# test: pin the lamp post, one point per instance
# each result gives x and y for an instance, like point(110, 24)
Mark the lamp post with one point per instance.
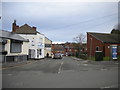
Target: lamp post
point(90, 47)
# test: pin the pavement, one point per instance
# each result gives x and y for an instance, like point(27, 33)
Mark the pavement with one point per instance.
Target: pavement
point(15, 64)
point(68, 72)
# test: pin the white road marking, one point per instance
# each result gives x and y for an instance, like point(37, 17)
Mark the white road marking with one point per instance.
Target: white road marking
point(111, 86)
point(85, 64)
point(9, 74)
point(60, 67)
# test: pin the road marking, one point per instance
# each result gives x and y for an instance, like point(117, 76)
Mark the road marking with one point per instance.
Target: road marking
point(111, 86)
point(85, 64)
point(9, 74)
point(60, 67)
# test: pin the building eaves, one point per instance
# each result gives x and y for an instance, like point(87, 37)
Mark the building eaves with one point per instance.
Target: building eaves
point(104, 37)
point(10, 35)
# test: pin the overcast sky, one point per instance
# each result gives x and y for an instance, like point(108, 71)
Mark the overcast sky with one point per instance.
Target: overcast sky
point(61, 21)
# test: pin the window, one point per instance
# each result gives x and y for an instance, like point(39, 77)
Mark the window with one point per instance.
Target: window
point(32, 43)
point(97, 48)
point(39, 52)
point(47, 45)
point(15, 46)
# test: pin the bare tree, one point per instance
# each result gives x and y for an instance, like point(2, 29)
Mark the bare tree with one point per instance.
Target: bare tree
point(80, 38)
point(79, 41)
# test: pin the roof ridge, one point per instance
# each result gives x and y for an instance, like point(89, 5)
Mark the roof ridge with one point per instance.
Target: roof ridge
point(98, 33)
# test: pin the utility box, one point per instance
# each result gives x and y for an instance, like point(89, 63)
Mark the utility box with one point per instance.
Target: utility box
point(98, 56)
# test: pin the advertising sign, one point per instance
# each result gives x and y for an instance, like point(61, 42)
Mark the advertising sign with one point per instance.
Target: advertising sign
point(40, 45)
point(114, 52)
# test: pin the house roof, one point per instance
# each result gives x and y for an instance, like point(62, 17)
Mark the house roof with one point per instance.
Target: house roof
point(25, 29)
point(10, 35)
point(106, 37)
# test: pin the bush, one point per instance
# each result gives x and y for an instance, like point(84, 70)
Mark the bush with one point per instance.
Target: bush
point(91, 58)
point(118, 58)
point(106, 58)
point(83, 56)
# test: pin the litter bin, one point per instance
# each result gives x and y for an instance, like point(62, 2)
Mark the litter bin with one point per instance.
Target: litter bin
point(98, 56)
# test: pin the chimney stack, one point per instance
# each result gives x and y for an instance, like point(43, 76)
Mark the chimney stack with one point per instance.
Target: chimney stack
point(14, 26)
point(34, 28)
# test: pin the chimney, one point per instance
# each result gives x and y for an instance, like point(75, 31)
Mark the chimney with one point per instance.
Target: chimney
point(34, 28)
point(14, 26)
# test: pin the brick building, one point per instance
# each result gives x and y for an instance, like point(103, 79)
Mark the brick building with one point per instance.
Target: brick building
point(104, 42)
point(58, 48)
point(70, 49)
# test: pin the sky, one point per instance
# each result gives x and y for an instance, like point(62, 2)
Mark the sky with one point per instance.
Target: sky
point(61, 21)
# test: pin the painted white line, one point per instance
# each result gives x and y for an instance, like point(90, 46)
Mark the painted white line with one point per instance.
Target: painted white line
point(112, 86)
point(60, 67)
point(9, 74)
point(85, 64)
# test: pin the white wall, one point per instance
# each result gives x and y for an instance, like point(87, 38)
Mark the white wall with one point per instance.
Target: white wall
point(38, 43)
point(23, 52)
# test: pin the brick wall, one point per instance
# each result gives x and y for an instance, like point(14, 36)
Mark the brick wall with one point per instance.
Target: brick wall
point(92, 43)
point(105, 47)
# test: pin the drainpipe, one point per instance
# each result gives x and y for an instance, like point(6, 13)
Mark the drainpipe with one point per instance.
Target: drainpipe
point(91, 48)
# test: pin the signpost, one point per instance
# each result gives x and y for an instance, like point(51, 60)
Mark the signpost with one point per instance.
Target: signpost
point(114, 52)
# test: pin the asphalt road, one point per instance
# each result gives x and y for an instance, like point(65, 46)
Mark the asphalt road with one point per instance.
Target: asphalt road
point(62, 73)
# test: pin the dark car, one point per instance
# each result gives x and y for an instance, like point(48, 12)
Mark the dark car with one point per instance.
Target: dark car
point(57, 56)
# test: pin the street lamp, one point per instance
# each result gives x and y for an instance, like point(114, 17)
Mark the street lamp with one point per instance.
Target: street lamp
point(90, 48)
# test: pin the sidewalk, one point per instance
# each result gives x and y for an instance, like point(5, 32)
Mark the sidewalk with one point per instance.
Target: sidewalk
point(111, 62)
point(75, 58)
point(83, 61)
point(14, 64)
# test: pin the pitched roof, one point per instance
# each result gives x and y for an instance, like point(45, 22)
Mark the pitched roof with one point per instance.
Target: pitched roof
point(106, 37)
point(10, 35)
point(25, 29)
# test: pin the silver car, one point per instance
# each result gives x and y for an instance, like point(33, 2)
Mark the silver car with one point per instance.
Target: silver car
point(57, 56)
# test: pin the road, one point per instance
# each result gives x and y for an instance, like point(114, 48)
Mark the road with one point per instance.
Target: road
point(62, 73)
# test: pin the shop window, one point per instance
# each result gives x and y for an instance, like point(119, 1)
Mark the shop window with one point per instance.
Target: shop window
point(15, 46)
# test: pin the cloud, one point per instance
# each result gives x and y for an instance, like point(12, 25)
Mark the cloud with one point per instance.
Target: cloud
point(61, 20)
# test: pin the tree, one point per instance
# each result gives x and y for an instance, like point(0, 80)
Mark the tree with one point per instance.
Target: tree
point(79, 41)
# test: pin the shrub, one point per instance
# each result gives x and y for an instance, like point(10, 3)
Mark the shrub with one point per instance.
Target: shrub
point(118, 58)
point(91, 58)
point(106, 58)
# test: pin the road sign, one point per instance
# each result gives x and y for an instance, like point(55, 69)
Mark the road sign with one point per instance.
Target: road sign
point(114, 52)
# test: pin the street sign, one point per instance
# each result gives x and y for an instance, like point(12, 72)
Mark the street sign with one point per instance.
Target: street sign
point(114, 52)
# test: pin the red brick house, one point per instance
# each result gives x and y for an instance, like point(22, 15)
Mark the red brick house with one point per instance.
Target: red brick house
point(67, 49)
point(103, 42)
point(70, 49)
point(58, 48)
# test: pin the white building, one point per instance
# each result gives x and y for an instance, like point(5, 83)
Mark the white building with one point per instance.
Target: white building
point(36, 45)
point(36, 40)
point(15, 47)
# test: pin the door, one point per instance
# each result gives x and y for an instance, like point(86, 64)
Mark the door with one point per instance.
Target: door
point(31, 53)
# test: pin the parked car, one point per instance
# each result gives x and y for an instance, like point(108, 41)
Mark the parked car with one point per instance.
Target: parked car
point(57, 56)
